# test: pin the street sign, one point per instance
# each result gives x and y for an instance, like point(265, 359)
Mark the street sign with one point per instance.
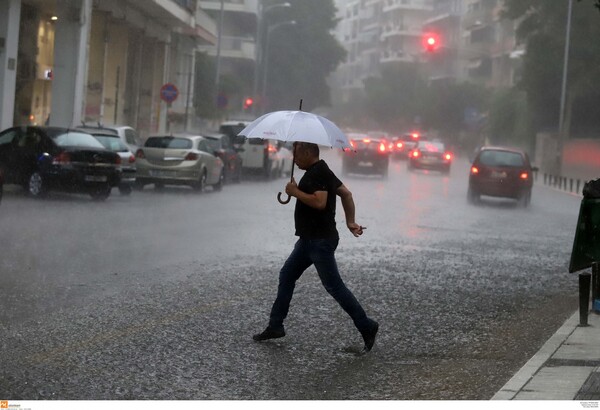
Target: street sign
point(169, 93)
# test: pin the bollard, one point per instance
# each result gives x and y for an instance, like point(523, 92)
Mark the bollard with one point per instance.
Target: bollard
point(570, 184)
point(595, 287)
point(584, 297)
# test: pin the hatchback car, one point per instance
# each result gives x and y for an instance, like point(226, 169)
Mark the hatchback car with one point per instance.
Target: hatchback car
point(501, 172)
point(430, 155)
point(404, 144)
point(178, 160)
point(45, 158)
point(222, 146)
point(111, 141)
point(367, 156)
point(126, 133)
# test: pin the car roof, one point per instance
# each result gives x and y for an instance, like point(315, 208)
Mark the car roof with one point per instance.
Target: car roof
point(179, 135)
point(235, 122)
point(98, 130)
point(501, 148)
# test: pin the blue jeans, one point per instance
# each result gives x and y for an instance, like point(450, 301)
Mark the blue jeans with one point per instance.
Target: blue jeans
point(319, 252)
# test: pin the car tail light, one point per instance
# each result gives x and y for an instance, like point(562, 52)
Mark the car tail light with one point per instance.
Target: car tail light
point(416, 154)
point(191, 156)
point(524, 175)
point(140, 154)
point(271, 148)
point(415, 135)
point(474, 170)
point(366, 140)
point(382, 147)
point(62, 159)
point(399, 145)
point(448, 156)
point(131, 159)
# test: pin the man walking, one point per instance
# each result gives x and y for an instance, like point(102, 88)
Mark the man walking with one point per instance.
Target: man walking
point(314, 219)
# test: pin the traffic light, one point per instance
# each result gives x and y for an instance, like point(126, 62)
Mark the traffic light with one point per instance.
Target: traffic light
point(248, 102)
point(431, 42)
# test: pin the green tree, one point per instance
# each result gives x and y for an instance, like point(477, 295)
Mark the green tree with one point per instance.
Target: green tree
point(300, 57)
point(543, 29)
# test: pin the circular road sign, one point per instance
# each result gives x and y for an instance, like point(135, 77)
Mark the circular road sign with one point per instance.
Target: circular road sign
point(169, 92)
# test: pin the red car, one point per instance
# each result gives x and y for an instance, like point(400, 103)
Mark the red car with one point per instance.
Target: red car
point(430, 155)
point(501, 172)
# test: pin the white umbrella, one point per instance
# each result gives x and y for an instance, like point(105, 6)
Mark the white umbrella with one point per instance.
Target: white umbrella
point(296, 126)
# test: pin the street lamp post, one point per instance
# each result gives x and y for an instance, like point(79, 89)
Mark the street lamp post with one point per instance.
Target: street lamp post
point(262, 12)
point(563, 93)
point(266, 60)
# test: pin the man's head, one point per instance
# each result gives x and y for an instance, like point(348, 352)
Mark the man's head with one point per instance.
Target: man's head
point(306, 154)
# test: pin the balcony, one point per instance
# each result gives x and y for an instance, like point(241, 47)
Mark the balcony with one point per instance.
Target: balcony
point(390, 30)
point(239, 6)
point(420, 5)
point(233, 47)
point(396, 57)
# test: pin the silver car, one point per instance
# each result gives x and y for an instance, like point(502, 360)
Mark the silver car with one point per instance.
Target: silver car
point(179, 159)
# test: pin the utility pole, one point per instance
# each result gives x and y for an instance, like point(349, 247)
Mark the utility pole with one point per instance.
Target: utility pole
point(561, 118)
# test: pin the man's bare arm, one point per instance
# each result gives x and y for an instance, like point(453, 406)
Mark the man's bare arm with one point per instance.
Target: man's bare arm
point(349, 210)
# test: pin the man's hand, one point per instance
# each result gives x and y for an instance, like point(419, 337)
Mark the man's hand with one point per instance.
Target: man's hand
point(355, 228)
point(292, 188)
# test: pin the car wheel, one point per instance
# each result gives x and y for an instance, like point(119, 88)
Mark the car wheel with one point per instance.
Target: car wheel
point(525, 199)
point(125, 189)
point(101, 193)
point(201, 183)
point(472, 196)
point(219, 185)
point(36, 186)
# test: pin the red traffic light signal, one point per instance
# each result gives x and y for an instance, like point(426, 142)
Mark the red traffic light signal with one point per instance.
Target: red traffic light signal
point(431, 42)
point(248, 103)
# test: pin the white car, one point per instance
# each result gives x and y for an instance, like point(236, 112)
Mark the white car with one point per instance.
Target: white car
point(127, 134)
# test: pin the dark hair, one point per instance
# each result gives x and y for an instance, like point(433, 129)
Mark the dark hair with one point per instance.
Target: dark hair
point(311, 148)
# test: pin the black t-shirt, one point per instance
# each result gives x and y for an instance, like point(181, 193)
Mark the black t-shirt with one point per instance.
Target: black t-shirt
point(312, 223)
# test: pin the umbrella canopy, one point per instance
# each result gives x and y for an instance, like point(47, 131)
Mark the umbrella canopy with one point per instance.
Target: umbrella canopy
point(297, 126)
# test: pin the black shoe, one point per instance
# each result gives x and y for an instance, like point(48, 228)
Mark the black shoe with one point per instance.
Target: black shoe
point(269, 333)
point(369, 337)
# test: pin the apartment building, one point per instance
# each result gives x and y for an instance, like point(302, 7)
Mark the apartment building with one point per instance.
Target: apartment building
point(73, 61)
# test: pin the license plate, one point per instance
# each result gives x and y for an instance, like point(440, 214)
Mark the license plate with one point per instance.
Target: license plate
point(365, 164)
point(158, 173)
point(498, 174)
point(95, 178)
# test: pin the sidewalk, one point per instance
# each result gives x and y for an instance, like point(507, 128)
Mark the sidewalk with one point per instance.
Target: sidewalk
point(567, 367)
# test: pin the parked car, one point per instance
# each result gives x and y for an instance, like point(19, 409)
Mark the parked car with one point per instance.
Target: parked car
point(222, 146)
point(53, 158)
point(405, 143)
point(179, 159)
point(232, 129)
point(430, 155)
point(501, 172)
point(111, 141)
point(126, 133)
point(367, 156)
point(261, 157)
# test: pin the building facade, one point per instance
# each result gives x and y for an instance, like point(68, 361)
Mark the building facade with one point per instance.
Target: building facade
point(75, 61)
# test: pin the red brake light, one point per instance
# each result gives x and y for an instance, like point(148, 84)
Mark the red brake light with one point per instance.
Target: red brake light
point(416, 154)
point(474, 170)
point(399, 145)
point(192, 156)
point(448, 156)
point(382, 147)
point(131, 159)
point(415, 135)
point(62, 159)
point(366, 140)
point(140, 154)
point(524, 175)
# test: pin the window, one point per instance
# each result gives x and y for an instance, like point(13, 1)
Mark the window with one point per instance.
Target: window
point(131, 137)
point(8, 136)
point(75, 139)
point(501, 159)
point(168, 143)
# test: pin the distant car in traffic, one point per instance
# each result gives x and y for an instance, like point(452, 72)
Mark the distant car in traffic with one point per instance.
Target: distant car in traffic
point(222, 146)
point(53, 158)
point(111, 141)
point(501, 172)
point(405, 143)
point(430, 155)
point(367, 156)
point(178, 159)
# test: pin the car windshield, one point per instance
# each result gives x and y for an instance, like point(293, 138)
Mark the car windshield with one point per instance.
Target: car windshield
point(169, 143)
point(431, 146)
point(366, 144)
point(501, 158)
point(213, 143)
point(74, 139)
point(112, 143)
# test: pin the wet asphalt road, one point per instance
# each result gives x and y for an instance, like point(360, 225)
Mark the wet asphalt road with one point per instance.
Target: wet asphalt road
point(157, 295)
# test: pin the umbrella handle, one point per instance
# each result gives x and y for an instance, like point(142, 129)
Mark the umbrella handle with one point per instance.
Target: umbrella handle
point(281, 201)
